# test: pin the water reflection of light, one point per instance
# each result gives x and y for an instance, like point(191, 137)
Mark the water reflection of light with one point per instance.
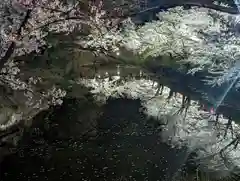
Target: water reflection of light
point(237, 3)
point(226, 92)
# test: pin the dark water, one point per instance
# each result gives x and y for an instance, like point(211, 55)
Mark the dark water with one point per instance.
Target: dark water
point(125, 147)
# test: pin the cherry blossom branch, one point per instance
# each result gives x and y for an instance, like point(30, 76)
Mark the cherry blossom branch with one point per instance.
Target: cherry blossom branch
point(229, 10)
point(12, 46)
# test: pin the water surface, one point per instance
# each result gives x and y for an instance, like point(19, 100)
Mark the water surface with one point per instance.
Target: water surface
point(124, 148)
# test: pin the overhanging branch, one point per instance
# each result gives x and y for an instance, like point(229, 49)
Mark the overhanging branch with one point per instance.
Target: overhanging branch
point(12, 46)
point(169, 5)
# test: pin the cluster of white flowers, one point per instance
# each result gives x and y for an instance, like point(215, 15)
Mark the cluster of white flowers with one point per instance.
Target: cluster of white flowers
point(10, 68)
point(55, 96)
point(104, 36)
point(221, 3)
point(204, 38)
point(13, 119)
point(9, 76)
point(34, 80)
point(52, 96)
point(27, 23)
point(25, 95)
point(196, 128)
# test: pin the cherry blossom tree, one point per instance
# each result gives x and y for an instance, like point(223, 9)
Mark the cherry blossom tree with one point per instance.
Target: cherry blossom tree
point(215, 145)
point(205, 39)
point(25, 26)
point(25, 29)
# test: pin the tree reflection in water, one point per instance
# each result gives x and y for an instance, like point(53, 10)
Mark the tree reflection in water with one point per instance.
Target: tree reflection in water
point(126, 147)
